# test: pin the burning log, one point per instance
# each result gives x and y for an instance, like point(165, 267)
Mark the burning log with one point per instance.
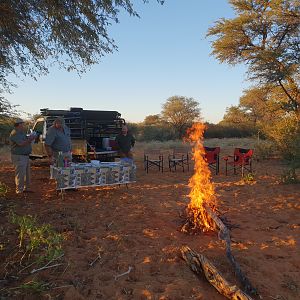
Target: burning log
point(199, 263)
point(202, 190)
point(201, 216)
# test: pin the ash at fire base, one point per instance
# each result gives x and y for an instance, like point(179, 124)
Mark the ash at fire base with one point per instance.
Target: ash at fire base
point(202, 193)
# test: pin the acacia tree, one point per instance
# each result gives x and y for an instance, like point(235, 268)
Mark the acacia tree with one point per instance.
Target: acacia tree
point(257, 106)
point(265, 34)
point(180, 112)
point(74, 33)
point(235, 115)
point(259, 103)
point(7, 114)
point(152, 120)
point(6, 109)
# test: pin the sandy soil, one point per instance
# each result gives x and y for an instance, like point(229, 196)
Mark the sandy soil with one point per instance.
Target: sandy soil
point(138, 227)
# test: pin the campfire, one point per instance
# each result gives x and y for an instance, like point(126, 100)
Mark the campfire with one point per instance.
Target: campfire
point(202, 193)
point(201, 216)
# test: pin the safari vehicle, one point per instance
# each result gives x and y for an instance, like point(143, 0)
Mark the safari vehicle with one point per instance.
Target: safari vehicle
point(93, 132)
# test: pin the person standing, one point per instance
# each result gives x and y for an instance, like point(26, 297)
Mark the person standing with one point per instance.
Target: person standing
point(57, 140)
point(20, 146)
point(125, 142)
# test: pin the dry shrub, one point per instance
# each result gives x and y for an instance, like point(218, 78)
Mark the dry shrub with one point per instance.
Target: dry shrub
point(165, 145)
point(286, 135)
point(265, 149)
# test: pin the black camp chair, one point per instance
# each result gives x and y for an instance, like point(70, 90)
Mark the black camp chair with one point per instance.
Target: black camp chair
point(179, 158)
point(153, 159)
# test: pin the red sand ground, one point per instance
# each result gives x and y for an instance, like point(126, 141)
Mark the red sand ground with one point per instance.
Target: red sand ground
point(138, 227)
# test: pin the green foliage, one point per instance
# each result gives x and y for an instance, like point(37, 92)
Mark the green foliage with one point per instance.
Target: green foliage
point(268, 108)
point(180, 112)
point(289, 177)
point(163, 132)
point(6, 125)
point(6, 108)
point(3, 189)
point(236, 115)
point(266, 36)
point(256, 106)
point(72, 33)
point(248, 178)
point(152, 120)
point(157, 133)
point(285, 132)
point(228, 130)
point(42, 240)
point(265, 149)
point(134, 128)
point(33, 287)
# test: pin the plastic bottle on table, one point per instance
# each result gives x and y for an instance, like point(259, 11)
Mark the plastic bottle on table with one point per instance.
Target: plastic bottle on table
point(60, 160)
point(66, 162)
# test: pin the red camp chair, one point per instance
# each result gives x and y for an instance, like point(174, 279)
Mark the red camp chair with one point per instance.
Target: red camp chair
point(212, 156)
point(241, 159)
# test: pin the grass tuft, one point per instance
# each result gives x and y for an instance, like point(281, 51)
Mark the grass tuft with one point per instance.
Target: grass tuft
point(289, 177)
point(41, 240)
point(3, 189)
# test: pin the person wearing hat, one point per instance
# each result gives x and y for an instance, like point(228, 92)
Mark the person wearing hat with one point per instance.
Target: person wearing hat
point(58, 140)
point(20, 145)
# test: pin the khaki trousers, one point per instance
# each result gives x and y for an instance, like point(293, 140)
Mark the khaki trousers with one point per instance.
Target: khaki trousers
point(22, 172)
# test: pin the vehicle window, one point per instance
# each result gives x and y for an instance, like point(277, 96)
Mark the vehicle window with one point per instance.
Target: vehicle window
point(38, 127)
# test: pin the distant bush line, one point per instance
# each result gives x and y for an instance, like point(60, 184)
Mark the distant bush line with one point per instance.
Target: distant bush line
point(163, 132)
point(145, 133)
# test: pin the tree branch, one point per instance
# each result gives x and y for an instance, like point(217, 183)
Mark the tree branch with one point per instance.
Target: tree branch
point(292, 100)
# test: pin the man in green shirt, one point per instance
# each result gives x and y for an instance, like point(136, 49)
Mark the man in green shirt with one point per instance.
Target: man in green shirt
point(57, 140)
point(125, 141)
point(20, 146)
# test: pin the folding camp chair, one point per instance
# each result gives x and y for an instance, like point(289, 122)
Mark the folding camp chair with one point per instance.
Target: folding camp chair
point(153, 159)
point(179, 158)
point(212, 156)
point(241, 159)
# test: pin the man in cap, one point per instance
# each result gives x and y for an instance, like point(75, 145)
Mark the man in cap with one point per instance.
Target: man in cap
point(58, 140)
point(125, 141)
point(20, 145)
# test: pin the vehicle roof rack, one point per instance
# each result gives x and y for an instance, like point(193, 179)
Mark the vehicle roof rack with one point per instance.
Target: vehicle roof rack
point(84, 114)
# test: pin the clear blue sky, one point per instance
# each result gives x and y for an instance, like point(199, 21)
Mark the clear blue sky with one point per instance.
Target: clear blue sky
point(164, 53)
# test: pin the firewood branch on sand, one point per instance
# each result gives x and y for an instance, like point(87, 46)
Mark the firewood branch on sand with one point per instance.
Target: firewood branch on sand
point(199, 263)
point(224, 235)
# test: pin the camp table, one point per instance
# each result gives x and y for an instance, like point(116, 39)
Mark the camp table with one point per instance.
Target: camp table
point(79, 175)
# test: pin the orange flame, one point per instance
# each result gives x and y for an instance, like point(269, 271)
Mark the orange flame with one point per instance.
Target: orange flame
point(202, 190)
